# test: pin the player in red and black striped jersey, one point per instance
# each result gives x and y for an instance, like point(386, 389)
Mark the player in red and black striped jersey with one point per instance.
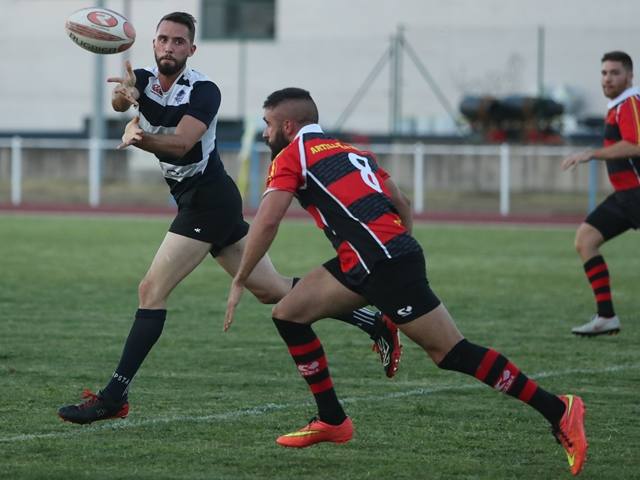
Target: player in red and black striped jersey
point(620, 211)
point(368, 221)
point(344, 190)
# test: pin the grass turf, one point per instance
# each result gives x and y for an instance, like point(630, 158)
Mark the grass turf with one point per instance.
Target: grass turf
point(208, 405)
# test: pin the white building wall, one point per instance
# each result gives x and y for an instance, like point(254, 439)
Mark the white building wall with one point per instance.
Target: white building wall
point(329, 47)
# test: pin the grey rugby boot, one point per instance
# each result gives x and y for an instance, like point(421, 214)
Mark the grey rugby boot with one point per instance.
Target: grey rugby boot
point(598, 326)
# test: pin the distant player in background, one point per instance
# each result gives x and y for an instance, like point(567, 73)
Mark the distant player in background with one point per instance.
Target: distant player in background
point(368, 221)
point(178, 110)
point(620, 211)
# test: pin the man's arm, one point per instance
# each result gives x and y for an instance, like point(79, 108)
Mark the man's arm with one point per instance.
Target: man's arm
point(188, 132)
point(402, 204)
point(616, 151)
point(262, 232)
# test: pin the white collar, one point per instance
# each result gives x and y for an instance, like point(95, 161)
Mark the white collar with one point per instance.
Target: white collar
point(629, 92)
point(311, 128)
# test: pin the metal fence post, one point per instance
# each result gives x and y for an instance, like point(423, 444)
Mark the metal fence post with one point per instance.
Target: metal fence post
point(593, 183)
point(255, 182)
point(418, 178)
point(16, 170)
point(504, 179)
point(95, 144)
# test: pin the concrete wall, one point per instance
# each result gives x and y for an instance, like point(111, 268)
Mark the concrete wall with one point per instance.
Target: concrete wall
point(329, 47)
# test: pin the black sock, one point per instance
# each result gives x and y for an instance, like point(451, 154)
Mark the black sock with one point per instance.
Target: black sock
point(363, 318)
point(598, 275)
point(306, 350)
point(144, 333)
point(494, 369)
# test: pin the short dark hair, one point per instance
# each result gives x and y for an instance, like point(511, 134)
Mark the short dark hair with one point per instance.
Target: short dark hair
point(619, 56)
point(308, 115)
point(183, 18)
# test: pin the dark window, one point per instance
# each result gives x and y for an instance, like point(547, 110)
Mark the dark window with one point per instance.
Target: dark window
point(236, 19)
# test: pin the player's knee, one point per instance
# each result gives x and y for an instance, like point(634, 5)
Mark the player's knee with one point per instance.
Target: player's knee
point(147, 292)
point(278, 312)
point(585, 247)
point(293, 314)
point(268, 297)
point(579, 244)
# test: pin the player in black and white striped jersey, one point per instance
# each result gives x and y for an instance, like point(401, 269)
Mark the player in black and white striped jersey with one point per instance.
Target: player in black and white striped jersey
point(177, 116)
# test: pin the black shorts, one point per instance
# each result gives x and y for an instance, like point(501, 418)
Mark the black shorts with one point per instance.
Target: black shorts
point(212, 213)
point(398, 287)
point(618, 213)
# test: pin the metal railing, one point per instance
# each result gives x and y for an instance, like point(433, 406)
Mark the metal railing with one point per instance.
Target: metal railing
point(419, 153)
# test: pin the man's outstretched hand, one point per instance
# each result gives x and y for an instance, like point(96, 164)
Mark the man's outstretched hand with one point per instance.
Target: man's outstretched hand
point(570, 162)
point(235, 294)
point(132, 133)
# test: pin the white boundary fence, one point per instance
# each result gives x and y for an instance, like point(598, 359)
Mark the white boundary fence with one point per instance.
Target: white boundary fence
point(420, 154)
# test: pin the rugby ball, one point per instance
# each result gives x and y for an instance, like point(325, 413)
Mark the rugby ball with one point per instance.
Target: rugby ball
point(100, 30)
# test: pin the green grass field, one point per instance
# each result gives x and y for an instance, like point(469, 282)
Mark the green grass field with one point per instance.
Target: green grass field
point(208, 405)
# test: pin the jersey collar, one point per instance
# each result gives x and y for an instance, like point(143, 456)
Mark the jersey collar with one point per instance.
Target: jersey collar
point(629, 92)
point(183, 79)
point(311, 128)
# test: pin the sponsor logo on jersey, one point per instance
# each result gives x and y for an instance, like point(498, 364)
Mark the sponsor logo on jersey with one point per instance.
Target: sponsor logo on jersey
point(157, 89)
point(197, 229)
point(180, 95)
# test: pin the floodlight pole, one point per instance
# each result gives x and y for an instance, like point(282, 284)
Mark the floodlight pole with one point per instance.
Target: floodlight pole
point(540, 61)
point(96, 153)
point(395, 82)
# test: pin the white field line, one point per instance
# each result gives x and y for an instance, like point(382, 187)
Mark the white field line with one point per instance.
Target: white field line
point(272, 407)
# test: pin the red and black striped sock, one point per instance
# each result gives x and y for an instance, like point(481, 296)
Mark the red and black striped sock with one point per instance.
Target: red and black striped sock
point(497, 371)
point(306, 350)
point(598, 276)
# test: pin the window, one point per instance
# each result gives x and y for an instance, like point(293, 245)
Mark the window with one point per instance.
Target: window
point(238, 19)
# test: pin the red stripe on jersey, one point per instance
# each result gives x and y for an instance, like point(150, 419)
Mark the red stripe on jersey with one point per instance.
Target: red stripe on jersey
point(485, 365)
point(315, 213)
point(597, 269)
point(600, 282)
point(387, 227)
point(304, 348)
point(285, 171)
point(603, 297)
point(624, 180)
point(351, 188)
point(348, 258)
point(632, 132)
point(527, 392)
point(322, 386)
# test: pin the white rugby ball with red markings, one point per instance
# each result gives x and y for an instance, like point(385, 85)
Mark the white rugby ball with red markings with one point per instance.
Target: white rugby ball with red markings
point(100, 30)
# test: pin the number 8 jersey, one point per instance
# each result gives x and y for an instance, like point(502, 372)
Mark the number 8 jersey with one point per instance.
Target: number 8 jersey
point(343, 190)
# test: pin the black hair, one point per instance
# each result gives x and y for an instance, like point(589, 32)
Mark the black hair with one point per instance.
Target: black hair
point(619, 56)
point(308, 115)
point(183, 18)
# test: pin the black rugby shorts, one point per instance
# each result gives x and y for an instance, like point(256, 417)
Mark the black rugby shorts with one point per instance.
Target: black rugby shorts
point(397, 287)
point(212, 213)
point(618, 213)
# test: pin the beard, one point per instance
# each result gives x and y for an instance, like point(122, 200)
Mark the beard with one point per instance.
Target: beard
point(171, 68)
point(279, 143)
